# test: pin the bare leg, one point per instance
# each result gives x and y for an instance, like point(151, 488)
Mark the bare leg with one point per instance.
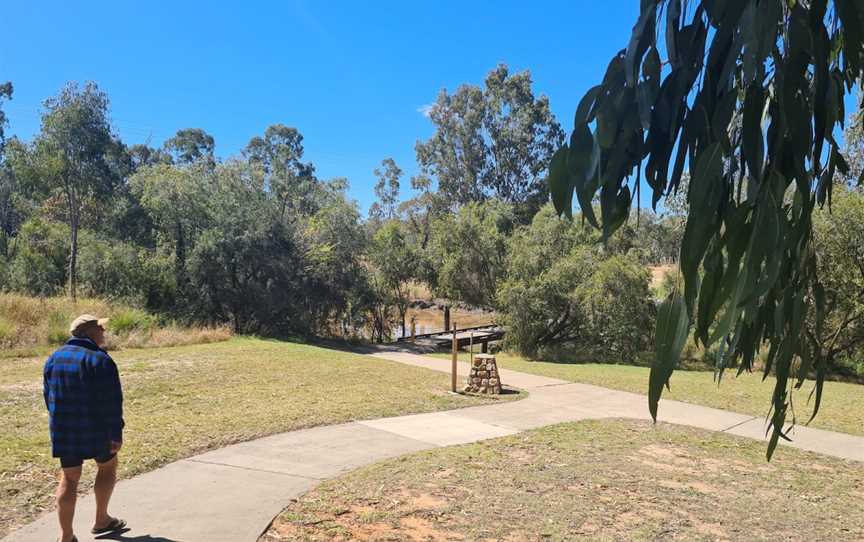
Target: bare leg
point(106, 477)
point(67, 493)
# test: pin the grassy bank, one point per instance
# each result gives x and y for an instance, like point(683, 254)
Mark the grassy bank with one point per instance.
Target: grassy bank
point(184, 400)
point(593, 480)
point(842, 404)
point(33, 325)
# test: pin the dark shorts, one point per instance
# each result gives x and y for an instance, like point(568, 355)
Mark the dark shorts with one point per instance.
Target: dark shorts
point(70, 462)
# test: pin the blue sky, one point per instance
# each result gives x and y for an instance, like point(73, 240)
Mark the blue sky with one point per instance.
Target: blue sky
point(351, 76)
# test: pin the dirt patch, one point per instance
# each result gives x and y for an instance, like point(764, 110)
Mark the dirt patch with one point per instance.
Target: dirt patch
point(426, 501)
point(419, 529)
point(714, 531)
point(520, 456)
point(372, 531)
point(594, 480)
point(732, 466)
point(445, 473)
point(668, 467)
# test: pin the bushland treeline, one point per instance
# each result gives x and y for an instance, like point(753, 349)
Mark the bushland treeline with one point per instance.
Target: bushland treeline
point(260, 242)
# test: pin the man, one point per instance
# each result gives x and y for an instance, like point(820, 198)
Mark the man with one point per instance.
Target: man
point(85, 406)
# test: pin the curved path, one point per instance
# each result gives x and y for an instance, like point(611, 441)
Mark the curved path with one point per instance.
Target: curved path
point(233, 493)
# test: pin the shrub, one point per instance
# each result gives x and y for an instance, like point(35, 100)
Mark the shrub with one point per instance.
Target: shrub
point(58, 327)
point(837, 233)
point(158, 280)
point(38, 258)
point(124, 321)
point(110, 269)
point(563, 292)
point(617, 306)
point(469, 250)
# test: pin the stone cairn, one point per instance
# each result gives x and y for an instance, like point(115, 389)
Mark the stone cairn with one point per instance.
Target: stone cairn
point(484, 376)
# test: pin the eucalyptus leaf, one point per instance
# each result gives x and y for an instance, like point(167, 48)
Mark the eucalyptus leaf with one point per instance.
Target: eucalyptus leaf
point(672, 329)
point(753, 147)
point(752, 91)
point(639, 40)
point(560, 184)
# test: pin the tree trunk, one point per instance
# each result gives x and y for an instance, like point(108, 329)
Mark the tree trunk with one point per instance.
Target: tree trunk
point(180, 260)
point(283, 206)
point(73, 244)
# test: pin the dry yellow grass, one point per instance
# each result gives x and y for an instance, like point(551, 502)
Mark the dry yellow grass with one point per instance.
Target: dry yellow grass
point(31, 325)
point(30, 321)
point(173, 335)
point(659, 284)
point(419, 290)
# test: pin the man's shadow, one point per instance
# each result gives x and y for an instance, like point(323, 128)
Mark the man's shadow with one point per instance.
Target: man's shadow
point(120, 536)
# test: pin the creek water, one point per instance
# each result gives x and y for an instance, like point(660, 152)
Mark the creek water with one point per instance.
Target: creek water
point(432, 320)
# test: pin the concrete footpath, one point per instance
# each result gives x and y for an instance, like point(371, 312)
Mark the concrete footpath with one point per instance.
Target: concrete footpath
point(232, 494)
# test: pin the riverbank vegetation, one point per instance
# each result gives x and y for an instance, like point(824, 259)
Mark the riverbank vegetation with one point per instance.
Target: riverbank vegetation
point(259, 243)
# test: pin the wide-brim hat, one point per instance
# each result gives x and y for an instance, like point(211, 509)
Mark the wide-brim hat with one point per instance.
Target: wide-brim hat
point(84, 321)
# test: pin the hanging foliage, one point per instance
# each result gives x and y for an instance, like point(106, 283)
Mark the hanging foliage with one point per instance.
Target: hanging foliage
point(748, 96)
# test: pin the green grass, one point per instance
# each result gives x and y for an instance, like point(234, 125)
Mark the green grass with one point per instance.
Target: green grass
point(58, 327)
point(184, 400)
point(592, 480)
point(126, 320)
point(842, 403)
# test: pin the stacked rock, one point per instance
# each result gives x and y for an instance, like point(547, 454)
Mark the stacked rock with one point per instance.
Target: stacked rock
point(484, 375)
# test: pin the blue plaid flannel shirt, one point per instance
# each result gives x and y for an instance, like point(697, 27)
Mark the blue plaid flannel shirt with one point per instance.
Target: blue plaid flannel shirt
point(84, 399)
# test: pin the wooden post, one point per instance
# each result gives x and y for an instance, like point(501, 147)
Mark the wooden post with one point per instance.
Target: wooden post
point(453, 365)
point(484, 347)
point(446, 317)
point(471, 349)
point(413, 326)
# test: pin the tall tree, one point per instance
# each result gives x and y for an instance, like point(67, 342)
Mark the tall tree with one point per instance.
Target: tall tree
point(469, 252)
point(8, 213)
point(560, 293)
point(190, 145)
point(175, 197)
point(395, 261)
point(142, 155)
point(246, 265)
point(336, 248)
point(749, 96)
point(74, 155)
point(492, 141)
point(421, 210)
point(854, 140)
point(5, 94)
point(386, 189)
point(280, 154)
point(839, 243)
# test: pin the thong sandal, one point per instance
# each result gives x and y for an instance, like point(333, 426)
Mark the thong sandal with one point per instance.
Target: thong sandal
point(114, 525)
